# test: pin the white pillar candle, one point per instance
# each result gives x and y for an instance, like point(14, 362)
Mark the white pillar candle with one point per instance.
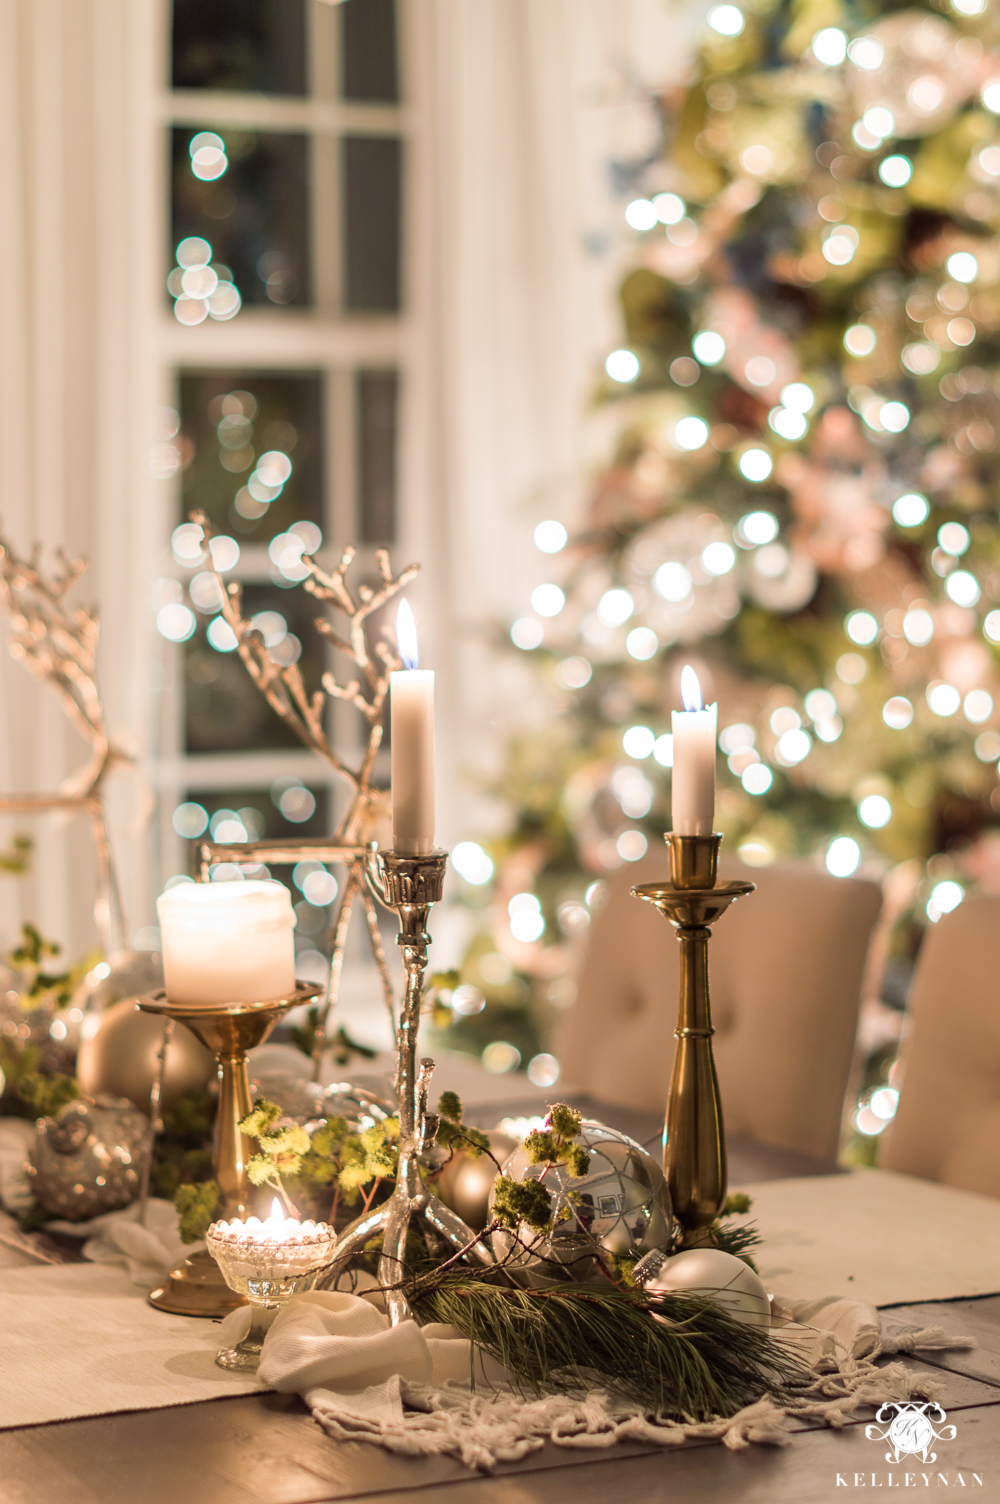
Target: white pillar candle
point(227, 942)
point(412, 708)
point(692, 799)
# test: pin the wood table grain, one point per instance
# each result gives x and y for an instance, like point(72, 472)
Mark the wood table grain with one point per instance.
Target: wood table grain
point(266, 1449)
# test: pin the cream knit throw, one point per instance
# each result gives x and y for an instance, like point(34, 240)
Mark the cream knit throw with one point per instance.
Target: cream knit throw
point(424, 1391)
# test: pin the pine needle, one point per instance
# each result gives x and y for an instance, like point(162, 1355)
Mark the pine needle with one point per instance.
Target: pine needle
point(677, 1355)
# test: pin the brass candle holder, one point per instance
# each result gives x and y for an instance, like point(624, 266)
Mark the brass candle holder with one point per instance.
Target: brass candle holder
point(694, 1143)
point(408, 885)
point(197, 1287)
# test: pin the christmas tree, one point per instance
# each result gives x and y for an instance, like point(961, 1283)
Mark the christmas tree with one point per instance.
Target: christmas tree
point(801, 488)
point(802, 485)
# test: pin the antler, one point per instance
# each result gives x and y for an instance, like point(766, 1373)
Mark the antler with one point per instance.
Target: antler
point(283, 686)
point(58, 644)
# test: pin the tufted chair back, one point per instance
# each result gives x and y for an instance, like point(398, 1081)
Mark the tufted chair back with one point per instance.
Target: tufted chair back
point(786, 966)
point(948, 1124)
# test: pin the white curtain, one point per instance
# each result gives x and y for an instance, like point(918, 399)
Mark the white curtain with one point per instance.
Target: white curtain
point(79, 199)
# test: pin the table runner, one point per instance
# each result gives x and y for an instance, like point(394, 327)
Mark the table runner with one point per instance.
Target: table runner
point(80, 1339)
point(876, 1236)
point(408, 1389)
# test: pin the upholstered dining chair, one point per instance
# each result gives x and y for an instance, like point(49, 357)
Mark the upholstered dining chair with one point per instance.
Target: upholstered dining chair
point(947, 1127)
point(786, 965)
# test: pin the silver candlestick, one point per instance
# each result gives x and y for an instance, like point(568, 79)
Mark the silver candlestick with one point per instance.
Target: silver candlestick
point(409, 885)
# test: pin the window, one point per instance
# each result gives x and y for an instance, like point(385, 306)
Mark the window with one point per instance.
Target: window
point(285, 155)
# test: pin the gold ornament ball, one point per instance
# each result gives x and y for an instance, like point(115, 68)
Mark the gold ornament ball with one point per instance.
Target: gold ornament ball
point(465, 1183)
point(121, 1057)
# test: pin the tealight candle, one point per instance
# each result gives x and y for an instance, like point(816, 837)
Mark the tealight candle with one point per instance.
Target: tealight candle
point(227, 942)
point(692, 798)
point(276, 1228)
point(412, 772)
point(267, 1262)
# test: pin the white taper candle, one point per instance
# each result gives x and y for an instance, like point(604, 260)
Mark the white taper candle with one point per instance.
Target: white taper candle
point(692, 800)
point(412, 718)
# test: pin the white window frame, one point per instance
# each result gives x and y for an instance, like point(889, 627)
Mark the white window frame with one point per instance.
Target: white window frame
point(323, 338)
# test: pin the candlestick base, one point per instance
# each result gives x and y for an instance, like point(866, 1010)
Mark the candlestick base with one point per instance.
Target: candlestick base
point(196, 1287)
point(409, 885)
point(694, 1143)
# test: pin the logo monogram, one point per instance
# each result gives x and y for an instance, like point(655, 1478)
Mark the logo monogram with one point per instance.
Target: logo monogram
point(910, 1432)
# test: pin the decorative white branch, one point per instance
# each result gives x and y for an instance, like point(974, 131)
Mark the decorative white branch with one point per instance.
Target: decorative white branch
point(58, 644)
point(284, 688)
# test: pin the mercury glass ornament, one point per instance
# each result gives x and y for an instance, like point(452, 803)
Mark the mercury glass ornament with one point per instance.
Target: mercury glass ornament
point(620, 1208)
point(87, 1159)
point(720, 1277)
point(121, 1057)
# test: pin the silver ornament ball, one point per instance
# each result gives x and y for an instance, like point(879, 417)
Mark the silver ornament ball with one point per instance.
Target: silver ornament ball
point(619, 1209)
point(87, 1159)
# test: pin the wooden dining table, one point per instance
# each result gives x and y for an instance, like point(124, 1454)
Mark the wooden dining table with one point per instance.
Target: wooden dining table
point(266, 1448)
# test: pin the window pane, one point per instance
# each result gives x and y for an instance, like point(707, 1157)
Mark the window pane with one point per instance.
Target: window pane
point(372, 175)
point(368, 50)
point(259, 812)
point(225, 712)
point(229, 421)
point(254, 214)
point(252, 46)
point(376, 408)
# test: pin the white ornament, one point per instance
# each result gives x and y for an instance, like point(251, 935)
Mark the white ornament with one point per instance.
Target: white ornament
point(718, 1276)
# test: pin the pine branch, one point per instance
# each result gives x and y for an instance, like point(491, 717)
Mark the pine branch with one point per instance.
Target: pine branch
point(677, 1355)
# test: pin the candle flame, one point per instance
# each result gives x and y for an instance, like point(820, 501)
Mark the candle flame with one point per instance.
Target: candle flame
point(406, 636)
point(690, 688)
point(276, 1215)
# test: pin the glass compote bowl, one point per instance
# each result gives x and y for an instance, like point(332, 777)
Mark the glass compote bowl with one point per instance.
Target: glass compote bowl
point(268, 1262)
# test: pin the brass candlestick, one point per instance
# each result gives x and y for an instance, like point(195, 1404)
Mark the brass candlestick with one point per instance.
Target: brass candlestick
point(409, 885)
point(694, 1143)
point(196, 1287)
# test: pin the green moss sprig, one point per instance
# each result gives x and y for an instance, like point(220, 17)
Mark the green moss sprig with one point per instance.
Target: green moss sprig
point(334, 1156)
point(552, 1145)
point(197, 1206)
point(453, 1134)
point(555, 1143)
point(31, 957)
